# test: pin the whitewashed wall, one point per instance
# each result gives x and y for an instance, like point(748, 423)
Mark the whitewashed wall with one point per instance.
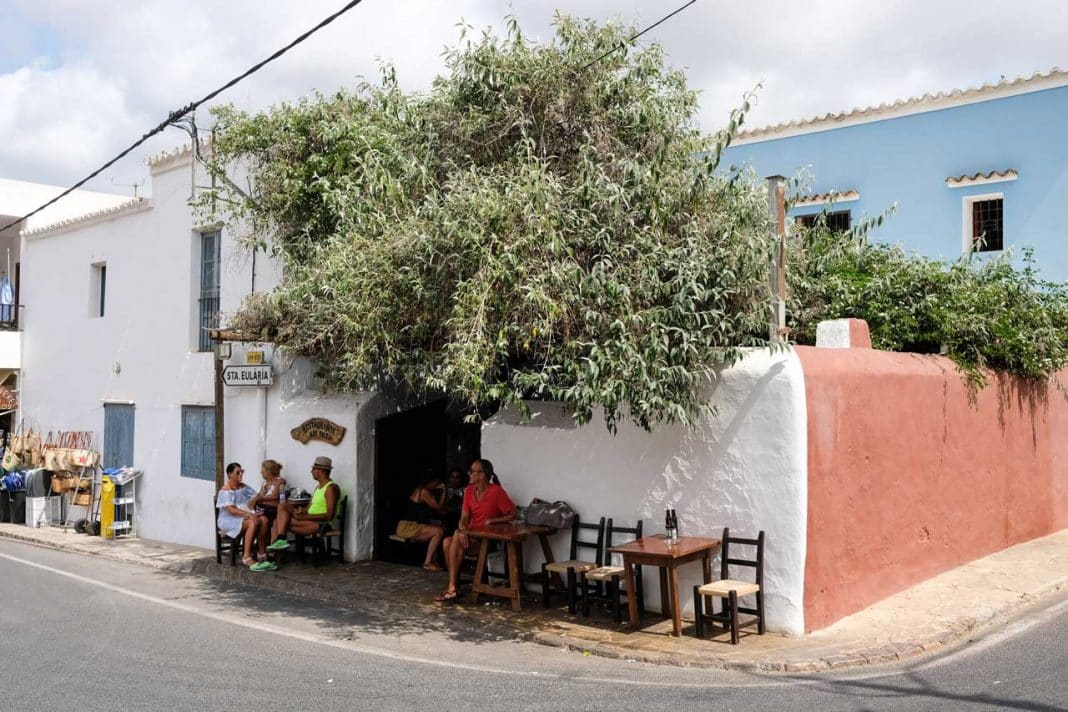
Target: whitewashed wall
point(258, 425)
point(141, 351)
point(144, 351)
point(745, 468)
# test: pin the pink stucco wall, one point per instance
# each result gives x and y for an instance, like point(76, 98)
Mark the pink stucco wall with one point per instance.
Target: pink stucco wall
point(907, 478)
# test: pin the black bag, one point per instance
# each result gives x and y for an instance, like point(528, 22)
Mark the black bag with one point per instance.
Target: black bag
point(558, 514)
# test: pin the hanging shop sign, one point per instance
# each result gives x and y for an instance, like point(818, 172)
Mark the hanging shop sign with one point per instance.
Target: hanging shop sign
point(318, 429)
point(248, 376)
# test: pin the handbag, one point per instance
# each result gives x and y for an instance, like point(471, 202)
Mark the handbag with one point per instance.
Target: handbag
point(82, 457)
point(558, 514)
point(11, 460)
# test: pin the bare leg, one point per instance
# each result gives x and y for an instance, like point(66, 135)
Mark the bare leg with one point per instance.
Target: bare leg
point(249, 525)
point(303, 527)
point(432, 535)
point(454, 557)
point(281, 523)
point(263, 527)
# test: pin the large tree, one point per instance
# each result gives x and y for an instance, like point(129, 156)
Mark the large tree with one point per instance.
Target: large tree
point(545, 222)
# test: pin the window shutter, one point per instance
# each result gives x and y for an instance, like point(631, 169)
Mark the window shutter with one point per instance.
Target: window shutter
point(207, 444)
point(198, 442)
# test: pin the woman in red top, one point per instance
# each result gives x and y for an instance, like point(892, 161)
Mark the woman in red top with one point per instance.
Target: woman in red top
point(485, 503)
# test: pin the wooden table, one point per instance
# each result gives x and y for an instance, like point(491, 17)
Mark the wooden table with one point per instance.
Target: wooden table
point(668, 557)
point(513, 535)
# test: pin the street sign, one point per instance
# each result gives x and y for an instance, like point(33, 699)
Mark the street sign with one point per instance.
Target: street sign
point(248, 375)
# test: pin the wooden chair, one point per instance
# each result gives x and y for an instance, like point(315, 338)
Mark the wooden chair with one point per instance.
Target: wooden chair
point(612, 576)
point(732, 590)
point(329, 544)
point(223, 543)
point(575, 566)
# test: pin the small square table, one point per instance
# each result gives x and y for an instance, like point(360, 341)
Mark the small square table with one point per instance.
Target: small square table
point(513, 535)
point(667, 555)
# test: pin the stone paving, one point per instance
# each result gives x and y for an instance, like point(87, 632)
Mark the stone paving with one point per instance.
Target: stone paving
point(940, 612)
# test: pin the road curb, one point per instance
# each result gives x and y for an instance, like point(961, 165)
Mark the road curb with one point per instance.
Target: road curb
point(936, 639)
point(74, 547)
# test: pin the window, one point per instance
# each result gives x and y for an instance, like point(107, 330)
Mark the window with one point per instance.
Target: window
point(837, 221)
point(98, 287)
point(987, 225)
point(210, 249)
point(198, 442)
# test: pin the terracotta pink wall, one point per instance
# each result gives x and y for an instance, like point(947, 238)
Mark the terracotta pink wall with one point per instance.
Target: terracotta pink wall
point(908, 479)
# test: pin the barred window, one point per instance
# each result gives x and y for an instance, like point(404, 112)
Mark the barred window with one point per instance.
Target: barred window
point(210, 251)
point(837, 221)
point(987, 225)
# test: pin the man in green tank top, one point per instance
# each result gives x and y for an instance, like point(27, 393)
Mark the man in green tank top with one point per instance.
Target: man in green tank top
point(321, 513)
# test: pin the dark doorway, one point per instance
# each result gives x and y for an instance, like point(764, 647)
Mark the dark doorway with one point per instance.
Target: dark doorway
point(410, 446)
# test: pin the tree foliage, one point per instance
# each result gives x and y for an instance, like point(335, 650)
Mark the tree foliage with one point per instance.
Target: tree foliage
point(983, 312)
point(539, 224)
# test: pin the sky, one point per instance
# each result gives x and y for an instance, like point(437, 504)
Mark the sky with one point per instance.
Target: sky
point(82, 79)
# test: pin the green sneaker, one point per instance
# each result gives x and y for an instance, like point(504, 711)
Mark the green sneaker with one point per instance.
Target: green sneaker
point(264, 566)
point(280, 545)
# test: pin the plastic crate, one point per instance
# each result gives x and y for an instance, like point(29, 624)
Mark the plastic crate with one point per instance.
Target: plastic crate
point(44, 511)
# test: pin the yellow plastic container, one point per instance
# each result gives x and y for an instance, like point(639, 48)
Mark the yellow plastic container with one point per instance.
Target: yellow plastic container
point(107, 507)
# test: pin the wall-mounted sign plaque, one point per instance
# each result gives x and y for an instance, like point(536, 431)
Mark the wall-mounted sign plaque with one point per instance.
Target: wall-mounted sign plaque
point(318, 429)
point(248, 376)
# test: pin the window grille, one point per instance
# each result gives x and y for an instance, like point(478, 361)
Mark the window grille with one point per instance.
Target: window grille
point(210, 250)
point(987, 225)
point(837, 221)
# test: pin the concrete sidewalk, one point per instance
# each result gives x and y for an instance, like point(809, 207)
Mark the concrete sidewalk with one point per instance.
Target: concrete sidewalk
point(939, 612)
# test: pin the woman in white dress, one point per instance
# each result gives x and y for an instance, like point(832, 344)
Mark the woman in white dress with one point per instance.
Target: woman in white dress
point(235, 517)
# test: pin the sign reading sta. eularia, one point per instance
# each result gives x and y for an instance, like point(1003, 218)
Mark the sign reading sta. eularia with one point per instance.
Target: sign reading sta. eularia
point(318, 429)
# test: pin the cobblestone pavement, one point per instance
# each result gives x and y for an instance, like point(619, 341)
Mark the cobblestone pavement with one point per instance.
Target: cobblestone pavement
point(928, 617)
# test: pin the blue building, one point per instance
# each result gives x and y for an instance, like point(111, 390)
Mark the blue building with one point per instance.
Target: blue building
point(981, 169)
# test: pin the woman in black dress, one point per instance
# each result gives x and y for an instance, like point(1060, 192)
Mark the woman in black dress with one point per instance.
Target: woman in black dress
point(426, 502)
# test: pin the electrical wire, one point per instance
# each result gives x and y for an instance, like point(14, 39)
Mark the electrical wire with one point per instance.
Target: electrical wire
point(630, 39)
point(179, 113)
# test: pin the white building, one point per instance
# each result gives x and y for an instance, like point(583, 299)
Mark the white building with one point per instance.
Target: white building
point(116, 308)
point(17, 198)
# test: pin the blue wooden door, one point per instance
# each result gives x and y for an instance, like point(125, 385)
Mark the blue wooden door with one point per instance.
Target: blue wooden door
point(118, 434)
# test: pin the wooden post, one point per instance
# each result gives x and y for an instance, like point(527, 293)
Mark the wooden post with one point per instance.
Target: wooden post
point(777, 260)
point(220, 455)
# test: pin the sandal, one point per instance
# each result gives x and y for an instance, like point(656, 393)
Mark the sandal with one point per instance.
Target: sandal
point(432, 567)
point(447, 597)
point(249, 561)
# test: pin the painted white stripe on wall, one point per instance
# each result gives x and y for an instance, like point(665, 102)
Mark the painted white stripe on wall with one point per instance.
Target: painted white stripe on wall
point(745, 468)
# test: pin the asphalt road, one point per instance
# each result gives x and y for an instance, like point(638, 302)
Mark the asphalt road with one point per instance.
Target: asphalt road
point(88, 634)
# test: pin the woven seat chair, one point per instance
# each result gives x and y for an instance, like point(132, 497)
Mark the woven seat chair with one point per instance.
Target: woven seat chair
point(730, 590)
point(611, 577)
point(575, 566)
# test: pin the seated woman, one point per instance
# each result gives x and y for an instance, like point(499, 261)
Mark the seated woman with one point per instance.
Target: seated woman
point(235, 515)
point(420, 507)
point(484, 504)
point(270, 494)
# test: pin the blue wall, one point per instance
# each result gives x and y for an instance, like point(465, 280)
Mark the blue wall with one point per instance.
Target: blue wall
point(907, 160)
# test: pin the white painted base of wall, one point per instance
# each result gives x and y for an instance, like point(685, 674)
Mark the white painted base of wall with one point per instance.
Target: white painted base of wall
point(744, 468)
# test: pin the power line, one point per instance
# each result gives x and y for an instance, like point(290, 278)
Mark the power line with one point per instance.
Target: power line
point(630, 39)
point(179, 113)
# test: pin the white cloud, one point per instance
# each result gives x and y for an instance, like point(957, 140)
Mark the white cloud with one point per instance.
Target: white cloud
point(115, 69)
point(61, 119)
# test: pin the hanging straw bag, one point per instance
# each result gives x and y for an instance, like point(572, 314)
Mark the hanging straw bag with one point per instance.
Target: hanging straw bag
point(11, 460)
